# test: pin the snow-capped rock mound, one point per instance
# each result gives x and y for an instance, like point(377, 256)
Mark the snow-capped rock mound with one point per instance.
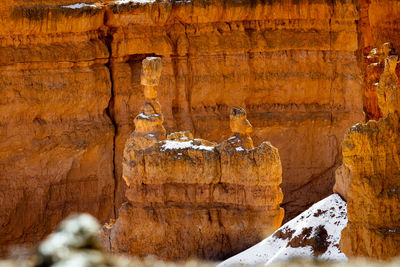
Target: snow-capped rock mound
point(315, 233)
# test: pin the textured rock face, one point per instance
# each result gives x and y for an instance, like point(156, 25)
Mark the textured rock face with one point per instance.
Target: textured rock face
point(379, 23)
point(65, 72)
point(369, 177)
point(56, 140)
point(188, 198)
point(193, 198)
point(292, 65)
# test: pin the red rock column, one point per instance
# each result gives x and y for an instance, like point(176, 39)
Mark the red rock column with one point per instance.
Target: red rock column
point(369, 177)
point(190, 198)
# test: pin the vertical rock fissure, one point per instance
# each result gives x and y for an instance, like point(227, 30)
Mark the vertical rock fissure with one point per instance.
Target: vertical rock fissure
point(107, 38)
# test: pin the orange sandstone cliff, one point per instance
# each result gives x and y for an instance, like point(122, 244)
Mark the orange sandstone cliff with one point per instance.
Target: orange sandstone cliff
point(191, 197)
point(56, 139)
point(69, 85)
point(369, 177)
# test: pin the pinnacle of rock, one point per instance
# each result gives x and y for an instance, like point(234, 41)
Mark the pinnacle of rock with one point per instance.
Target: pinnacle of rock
point(387, 86)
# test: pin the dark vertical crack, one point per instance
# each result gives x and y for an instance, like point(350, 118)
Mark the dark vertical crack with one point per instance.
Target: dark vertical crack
point(107, 38)
point(111, 115)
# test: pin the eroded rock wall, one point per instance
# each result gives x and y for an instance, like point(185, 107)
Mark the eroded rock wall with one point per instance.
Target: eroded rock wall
point(293, 66)
point(370, 152)
point(56, 140)
point(369, 178)
point(69, 81)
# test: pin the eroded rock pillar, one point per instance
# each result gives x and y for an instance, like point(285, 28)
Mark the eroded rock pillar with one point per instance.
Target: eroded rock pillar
point(190, 197)
point(369, 177)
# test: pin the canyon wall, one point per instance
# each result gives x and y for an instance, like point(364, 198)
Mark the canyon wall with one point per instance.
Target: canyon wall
point(292, 65)
point(70, 87)
point(56, 139)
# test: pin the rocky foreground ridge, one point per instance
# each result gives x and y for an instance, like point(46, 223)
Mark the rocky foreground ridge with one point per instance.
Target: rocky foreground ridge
point(75, 242)
point(69, 76)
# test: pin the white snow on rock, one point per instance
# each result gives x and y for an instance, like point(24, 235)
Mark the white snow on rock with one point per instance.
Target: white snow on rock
point(148, 117)
point(318, 228)
point(78, 5)
point(121, 2)
point(171, 144)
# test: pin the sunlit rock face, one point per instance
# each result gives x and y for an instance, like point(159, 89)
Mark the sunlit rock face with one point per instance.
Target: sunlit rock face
point(379, 23)
point(193, 198)
point(369, 177)
point(56, 139)
point(293, 65)
point(69, 79)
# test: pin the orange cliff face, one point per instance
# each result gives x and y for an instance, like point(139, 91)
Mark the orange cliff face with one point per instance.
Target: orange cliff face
point(369, 178)
point(191, 197)
point(69, 83)
point(292, 66)
point(56, 139)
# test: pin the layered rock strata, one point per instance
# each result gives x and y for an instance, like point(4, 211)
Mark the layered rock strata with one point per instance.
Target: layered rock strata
point(69, 75)
point(369, 177)
point(291, 64)
point(193, 198)
point(56, 139)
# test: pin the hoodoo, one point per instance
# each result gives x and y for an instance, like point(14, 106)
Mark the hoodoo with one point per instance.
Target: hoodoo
point(369, 177)
point(191, 197)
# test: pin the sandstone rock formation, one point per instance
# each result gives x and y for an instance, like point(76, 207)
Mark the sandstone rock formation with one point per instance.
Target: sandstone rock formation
point(191, 198)
point(149, 123)
point(369, 177)
point(69, 75)
point(291, 64)
point(374, 62)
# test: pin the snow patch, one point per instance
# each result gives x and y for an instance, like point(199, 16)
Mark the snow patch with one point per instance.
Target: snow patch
point(121, 2)
point(329, 213)
point(147, 117)
point(171, 145)
point(78, 5)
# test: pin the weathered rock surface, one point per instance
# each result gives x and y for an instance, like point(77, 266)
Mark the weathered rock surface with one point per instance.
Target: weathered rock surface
point(56, 140)
point(292, 65)
point(379, 23)
point(64, 72)
point(370, 153)
point(193, 198)
point(369, 177)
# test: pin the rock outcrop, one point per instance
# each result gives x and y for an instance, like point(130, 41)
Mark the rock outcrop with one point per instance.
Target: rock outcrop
point(69, 75)
point(313, 234)
point(369, 177)
point(193, 198)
